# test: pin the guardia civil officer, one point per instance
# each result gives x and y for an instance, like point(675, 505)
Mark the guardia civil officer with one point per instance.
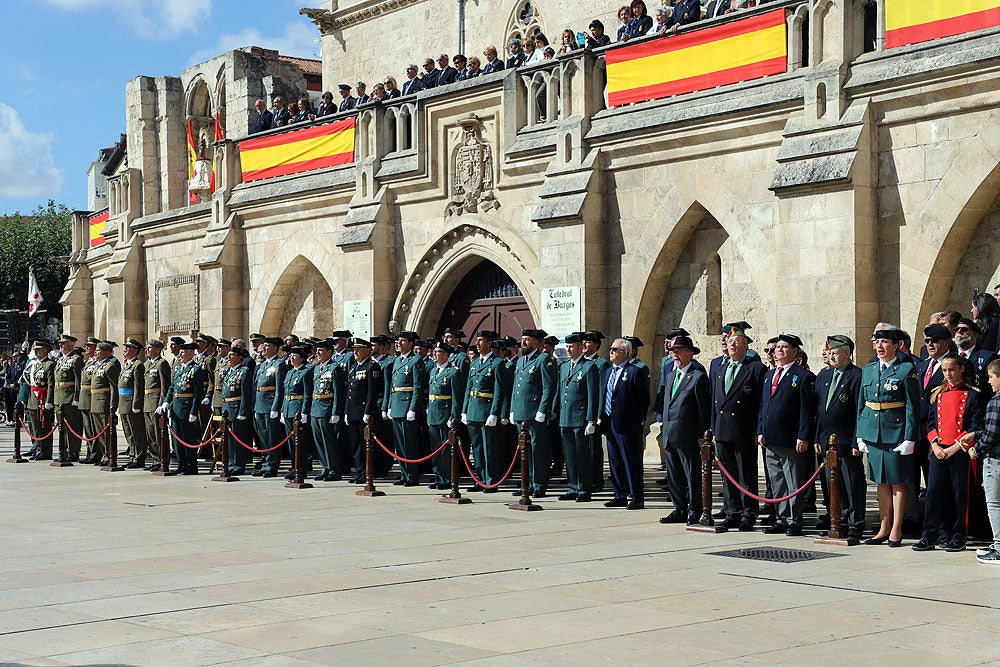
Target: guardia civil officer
point(296, 404)
point(591, 351)
point(482, 409)
point(183, 401)
point(269, 380)
point(362, 408)
point(329, 396)
point(404, 402)
point(237, 395)
point(579, 393)
point(532, 395)
point(446, 389)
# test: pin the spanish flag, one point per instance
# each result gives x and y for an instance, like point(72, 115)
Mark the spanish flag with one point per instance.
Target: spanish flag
point(699, 59)
point(96, 227)
point(192, 158)
point(912, 21)
point(293, 152)
point(219, 136)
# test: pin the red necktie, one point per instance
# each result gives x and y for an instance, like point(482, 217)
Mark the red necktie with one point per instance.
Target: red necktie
point(777, 378)
point(930, 372)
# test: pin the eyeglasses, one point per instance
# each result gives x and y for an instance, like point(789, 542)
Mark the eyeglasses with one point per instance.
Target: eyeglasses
point(615, 349)
point(962, 329)
point(769, 350)
point(931, 340)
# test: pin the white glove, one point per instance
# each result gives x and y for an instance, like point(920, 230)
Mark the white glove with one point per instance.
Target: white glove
point(657, 417)
point(387, 414)
point(367, 419)
point(539, 417)
point(465, 418)
point(48, 406)
point(192, 418)
point(491, 420)
point(304, 419)
point(76, 403)
point(906, 447)
point(282, 419)
point(164, 407)
point(206, 401)
point(589, 429)
point(411, 416)
point(335, 419)
point(511, 416)
point(241, 418)
point(862, 446)
point(136, 411)
point(451, 423)
point(274, 415)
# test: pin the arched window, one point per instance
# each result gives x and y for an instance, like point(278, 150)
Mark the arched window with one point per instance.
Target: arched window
point(524, 22)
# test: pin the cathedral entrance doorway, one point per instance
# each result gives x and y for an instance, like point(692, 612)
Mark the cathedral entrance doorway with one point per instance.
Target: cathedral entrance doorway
point(487, 298)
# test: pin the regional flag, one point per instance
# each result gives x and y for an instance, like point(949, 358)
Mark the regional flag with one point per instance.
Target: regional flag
point(96, 227)
point(192, 158)
point(736, 51)
point(34, 294)
point(310, 148)
point(912, 21)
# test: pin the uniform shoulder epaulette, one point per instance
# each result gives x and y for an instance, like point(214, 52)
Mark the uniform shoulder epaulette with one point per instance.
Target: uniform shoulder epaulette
point(974, 388)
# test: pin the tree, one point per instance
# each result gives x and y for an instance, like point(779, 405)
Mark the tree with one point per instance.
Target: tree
point(37, 241)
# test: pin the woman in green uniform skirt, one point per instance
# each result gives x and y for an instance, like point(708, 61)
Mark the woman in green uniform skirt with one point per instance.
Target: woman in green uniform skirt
point(888, 422)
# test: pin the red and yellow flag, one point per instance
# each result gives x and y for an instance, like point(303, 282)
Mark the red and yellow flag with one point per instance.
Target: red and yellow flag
point(192, 158)
point(218, 137)
point(307, 149)
point(96, 227)
point(912, 21)
point(738, 51)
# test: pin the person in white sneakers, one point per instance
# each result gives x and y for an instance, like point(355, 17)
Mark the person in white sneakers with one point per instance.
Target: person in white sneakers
point(987, 447)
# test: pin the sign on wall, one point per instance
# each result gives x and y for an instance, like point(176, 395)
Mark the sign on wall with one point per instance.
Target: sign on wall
point(358, 317)
point(561, 310)
point(175, 304)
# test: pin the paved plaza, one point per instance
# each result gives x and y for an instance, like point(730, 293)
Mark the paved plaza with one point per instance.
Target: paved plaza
point(124, 568)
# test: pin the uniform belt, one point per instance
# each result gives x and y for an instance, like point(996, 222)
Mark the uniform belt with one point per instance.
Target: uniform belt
point(271, 388)
point(294, 397)
point(125, 392)
point(397, 390)
point(183, 395)
point(481, 394)
point(315, 396)
point(439, 397)
point(154, 390)
point(100, 390)
point(231, 399)
point(885, 406)
point(65, 384)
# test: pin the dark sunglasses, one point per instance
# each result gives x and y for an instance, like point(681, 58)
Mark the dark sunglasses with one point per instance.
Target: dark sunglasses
point(615, 349)
point(769, 350)
point(931, 340)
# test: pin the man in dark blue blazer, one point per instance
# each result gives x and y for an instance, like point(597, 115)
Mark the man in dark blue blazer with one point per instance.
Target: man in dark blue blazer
point(445, 72)
point(937, 340)
point(430, 76)
point(493, 62)
point(412, 83)
point(347, 101)
point(736, 393)
point(837, 390)
point(280, 117)
point(967, 334)
point(785, 429)
point(624, 404)
point(262, 122)
point(686, 416)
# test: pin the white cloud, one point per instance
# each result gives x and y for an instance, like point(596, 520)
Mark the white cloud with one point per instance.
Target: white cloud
point(297, 39)
point(150, 18)
point(27, 168)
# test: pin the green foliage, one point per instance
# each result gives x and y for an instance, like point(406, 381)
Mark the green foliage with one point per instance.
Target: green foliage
point(35, 241)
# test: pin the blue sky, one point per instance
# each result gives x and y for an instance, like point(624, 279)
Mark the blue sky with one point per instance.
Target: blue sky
point(64, 65)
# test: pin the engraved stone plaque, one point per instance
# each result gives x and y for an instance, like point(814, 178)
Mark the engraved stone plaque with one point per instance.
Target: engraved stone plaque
point(176, 304)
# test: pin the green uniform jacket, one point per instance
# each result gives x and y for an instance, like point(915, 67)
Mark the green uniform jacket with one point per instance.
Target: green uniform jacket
point(460, 360)
point(219, 376)
point(329, 390)
point(579, 393)
point(187, 388)
point(131, 386)
point(445, 382)
point(486, 379)
point(67, 375)
point(156, 383)
point(236, 392)
point(269, 383)
point(42, 382)
point(104, 386)
point(386, 363)
point(298, 392)
point(208, 363)
point(897, 384)
point(85, 376)
point(535, 378)
point(408, 386)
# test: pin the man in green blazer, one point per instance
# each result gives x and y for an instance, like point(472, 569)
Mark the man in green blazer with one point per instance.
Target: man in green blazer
point(103, 398)
point(183, 400)
point(156, 383)
point(404, 402)
point(66, 397)
point(482, 409)
point(532, 396)
point(446, 389)
point(579, 400)
point(131, 385)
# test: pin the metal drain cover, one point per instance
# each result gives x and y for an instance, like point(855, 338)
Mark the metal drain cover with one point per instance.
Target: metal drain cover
point(776, 554)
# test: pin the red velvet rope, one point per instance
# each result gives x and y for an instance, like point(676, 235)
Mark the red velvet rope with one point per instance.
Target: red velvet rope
point(478, 481)
point(771, 500)
point(44, 437)
point(260, 451)
point(181, 442)
point(84, 438)
point(400, 458)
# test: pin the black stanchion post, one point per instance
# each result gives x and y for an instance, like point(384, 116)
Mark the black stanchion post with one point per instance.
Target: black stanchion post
point(369, 491)
point(837, 535)
point(299, 460)
point(524, 447)
point(164, 470)
point(224, 475)
point(706, 524)
point(455, 497)
point(62, 461)
point(112, 444)
point(18, 418)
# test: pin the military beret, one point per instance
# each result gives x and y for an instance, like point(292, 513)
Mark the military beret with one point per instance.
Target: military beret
point(685, 342)
point(42, 345)
point(839, 340)
point(325, 344)
point(155, 342)
point(299, 350)
point(66, 338)
point(205, 338)
point(343, 333)
point(411, 336)
point(381, 339)
point(511, 341)
point(274, 340)
point(636, 343)
point(888, 334)
point(103, 345)
point(791, 339)
point(674, 333)
point(242, 351)
point(177, 340)
point(486, 333)
point(742, 326)
point(593, 335)
point(93, 341)
point(189, 346)
point(455, 332)
point(225, 342)
point(499, 344)
point(540, 334)
point(445, 347)
point(575, 337)
point(357, 343)
point(938, 331)
point(132, 342)
point(972, 325)
point(551, 340)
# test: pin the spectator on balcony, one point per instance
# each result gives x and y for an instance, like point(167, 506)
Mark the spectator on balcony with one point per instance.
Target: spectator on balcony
point(412, 84)
point(392, 88)
point(597, 38)
point(264, 119)
point(474, 68)
point(514, 48)
point(641, 22)
point(685, 13)
point(661, 18)
point(446, 73)
point(346, 101)
point(305, 113)
point(280, 116)
point(362, 90)
point(549, 53)
point(493, 62)
point(624, 15)
point(429, 78)
point(293, 109)
point(459, 62)
point(717, 8)
point(530, 53)
point(327, 106)
point(567, 41)
point(378, 93)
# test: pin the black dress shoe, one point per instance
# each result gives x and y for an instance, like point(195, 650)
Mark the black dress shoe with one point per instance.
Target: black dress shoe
point(257, 473)
point(474, 489)
point(955, 544)
point(583, 498)
point(877, 540)
point(731, 522)
point(87, 461)
point(616, 502)
point(745, 526)
point(794, 531)
point(636, 505)
point(272, 473)
point(490, 490)
point(539, 494)
point(923, 544)
point(236, 472)
point(189, 471)
point(721, 514)
point(674, 517)
point(766, 520)
point(413, 483)
point(518, 492)
point(569, 496)
point(776, 529)
point(895, 544)
point(333, 478)
point(398, 482)
point(99, 463)
point(823, 523)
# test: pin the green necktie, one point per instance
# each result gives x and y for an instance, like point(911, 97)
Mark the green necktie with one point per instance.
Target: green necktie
point(677, 383)
point(833, 386)
point(731, 371)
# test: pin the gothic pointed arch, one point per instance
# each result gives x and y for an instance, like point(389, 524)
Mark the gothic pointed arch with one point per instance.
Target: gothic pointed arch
point(524, 21)
point(300, 302)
